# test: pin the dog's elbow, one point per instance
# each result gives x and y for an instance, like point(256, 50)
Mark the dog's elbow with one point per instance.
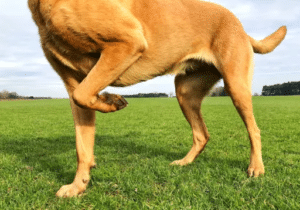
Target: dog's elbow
point(137, 41)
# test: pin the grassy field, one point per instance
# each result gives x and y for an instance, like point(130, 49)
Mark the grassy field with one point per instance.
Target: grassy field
point(134, 148)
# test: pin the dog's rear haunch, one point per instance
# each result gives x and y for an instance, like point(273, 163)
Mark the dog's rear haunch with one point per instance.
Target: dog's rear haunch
point(95, 44)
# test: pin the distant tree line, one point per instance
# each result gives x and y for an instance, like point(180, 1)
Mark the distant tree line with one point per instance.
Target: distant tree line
point(217, 91)
point(4, 94)
point(290, 88)
point(147, 95)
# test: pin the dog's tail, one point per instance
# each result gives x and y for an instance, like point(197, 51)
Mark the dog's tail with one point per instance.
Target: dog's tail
point(269, 43)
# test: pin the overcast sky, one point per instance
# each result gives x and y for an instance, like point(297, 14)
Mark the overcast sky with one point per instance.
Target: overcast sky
point(24, 69)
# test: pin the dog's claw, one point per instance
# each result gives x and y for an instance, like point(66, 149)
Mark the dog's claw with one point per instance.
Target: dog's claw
point(121, 102)
point(113, 102)
point(255, 171)
point(181, 162)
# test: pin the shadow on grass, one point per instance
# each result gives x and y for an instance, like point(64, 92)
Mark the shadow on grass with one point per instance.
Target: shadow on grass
point(58, 155)
point(136, 143)
point(131, 144)
point(42, 154)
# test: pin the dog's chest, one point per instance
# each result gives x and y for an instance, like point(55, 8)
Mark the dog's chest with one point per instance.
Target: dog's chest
point(72, 57)
point(76, 40)
point(62, 35)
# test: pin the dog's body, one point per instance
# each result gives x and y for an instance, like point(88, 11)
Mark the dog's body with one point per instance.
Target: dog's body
point(95, 44)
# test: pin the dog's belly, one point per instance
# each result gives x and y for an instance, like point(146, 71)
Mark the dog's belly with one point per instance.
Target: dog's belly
point(141, 70)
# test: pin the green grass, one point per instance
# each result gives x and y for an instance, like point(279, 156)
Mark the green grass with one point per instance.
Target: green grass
point(134, 148)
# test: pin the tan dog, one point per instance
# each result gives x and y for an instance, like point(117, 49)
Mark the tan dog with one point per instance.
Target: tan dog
point(95, 44)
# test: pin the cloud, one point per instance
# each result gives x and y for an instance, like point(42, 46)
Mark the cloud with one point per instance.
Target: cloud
point(244, 11)
point(14, 8)
point(8, 64)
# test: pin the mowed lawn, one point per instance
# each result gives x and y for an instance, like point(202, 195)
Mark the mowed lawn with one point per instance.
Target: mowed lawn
point(134, 148)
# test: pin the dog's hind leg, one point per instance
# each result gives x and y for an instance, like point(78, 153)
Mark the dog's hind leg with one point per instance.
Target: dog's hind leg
point(191, 88)
point(237, 76)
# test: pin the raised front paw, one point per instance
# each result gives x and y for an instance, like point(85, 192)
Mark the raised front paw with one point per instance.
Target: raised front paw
point(102, 103)
point(113, 102)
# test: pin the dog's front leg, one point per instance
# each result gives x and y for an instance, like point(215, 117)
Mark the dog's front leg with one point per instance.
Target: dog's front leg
point(116, 58)
point(84, 120)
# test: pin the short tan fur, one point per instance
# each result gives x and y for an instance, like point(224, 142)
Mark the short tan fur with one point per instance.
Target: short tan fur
point(94, 44)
